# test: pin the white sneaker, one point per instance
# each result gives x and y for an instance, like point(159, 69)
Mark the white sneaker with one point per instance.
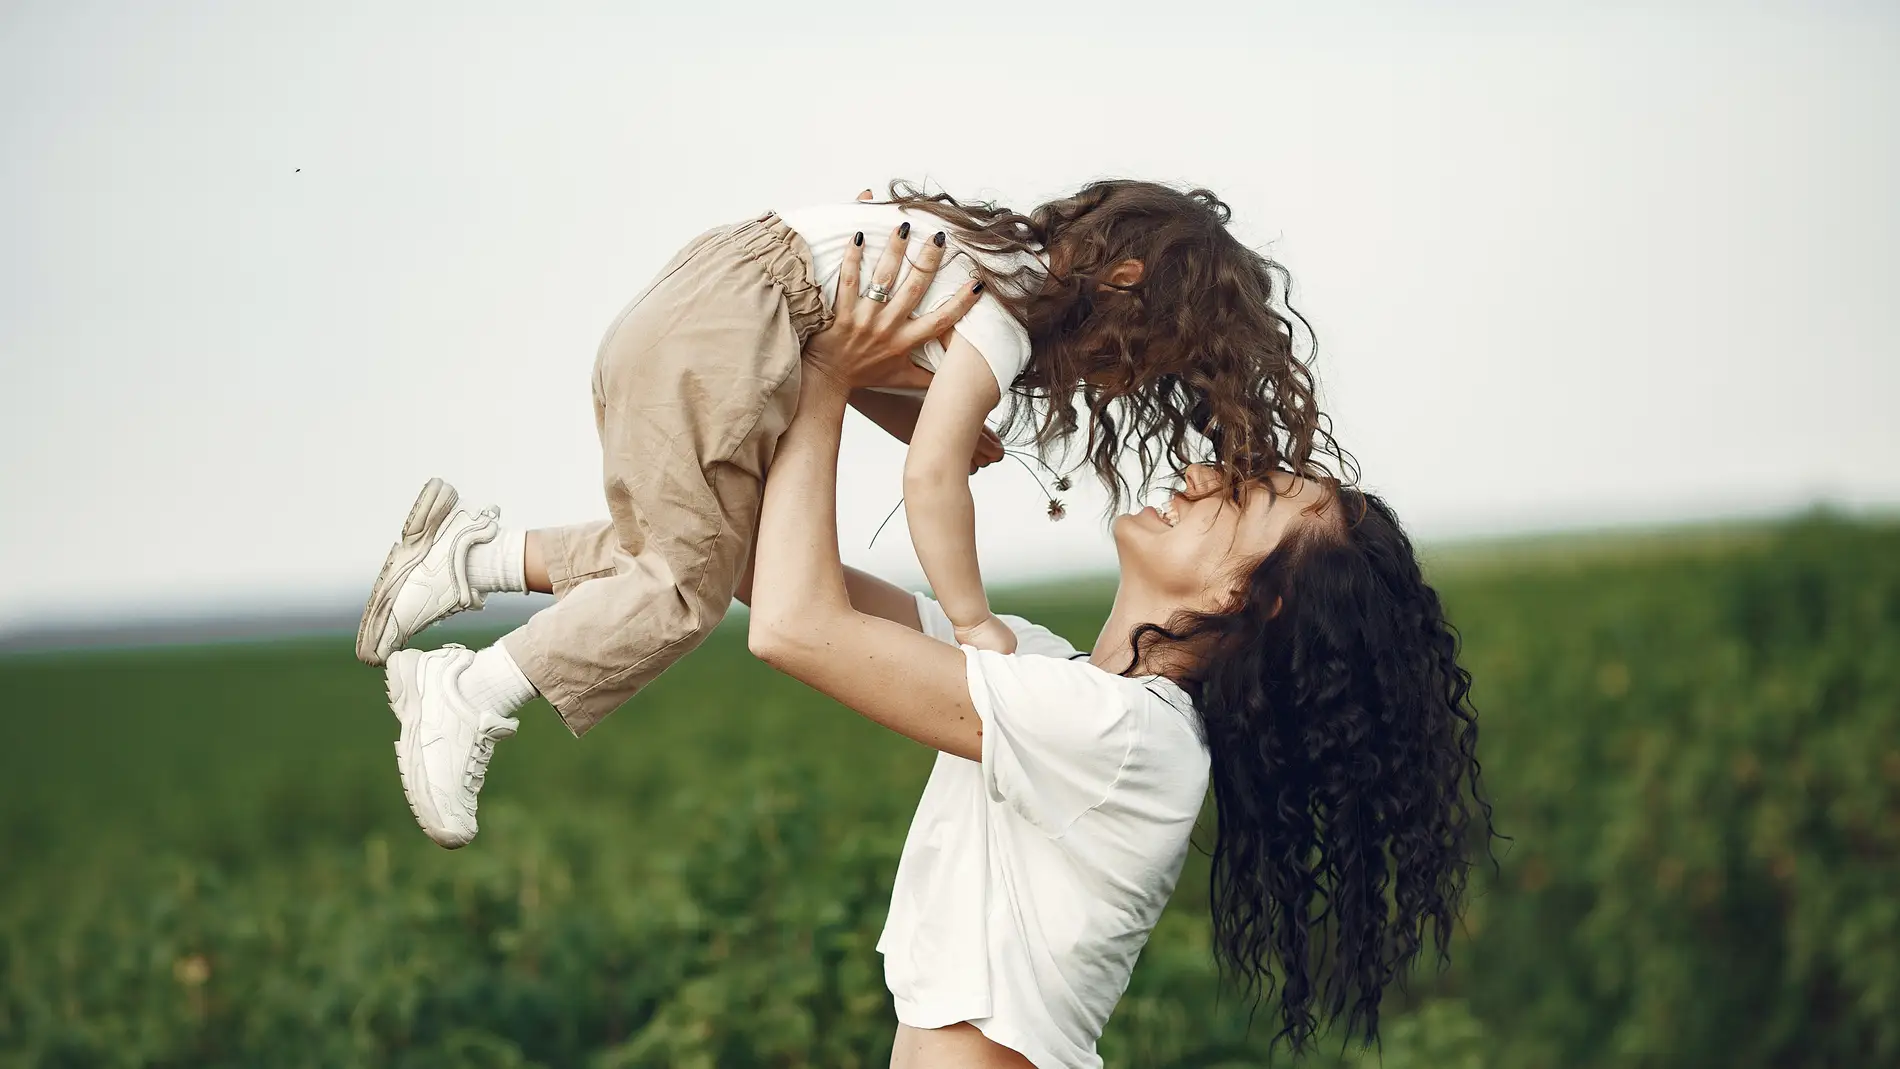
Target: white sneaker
point(446, 743)
point(425, 576)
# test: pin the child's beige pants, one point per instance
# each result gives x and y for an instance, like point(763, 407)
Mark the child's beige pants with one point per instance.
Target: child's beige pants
point(693, 386)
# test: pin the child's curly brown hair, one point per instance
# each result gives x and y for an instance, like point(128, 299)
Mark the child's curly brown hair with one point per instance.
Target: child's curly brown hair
point(1197, 355)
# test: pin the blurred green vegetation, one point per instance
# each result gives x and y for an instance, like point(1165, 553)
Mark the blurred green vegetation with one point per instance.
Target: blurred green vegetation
point(205, 858)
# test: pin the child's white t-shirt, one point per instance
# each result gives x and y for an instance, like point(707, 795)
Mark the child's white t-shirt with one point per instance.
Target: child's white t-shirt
point(1031, 880)
point(828, 230)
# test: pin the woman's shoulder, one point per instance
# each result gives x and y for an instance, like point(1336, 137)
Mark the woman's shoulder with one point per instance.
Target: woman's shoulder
point(1149, 700)
point(1059, 665)
point(1063, 737)
point(1035, 639)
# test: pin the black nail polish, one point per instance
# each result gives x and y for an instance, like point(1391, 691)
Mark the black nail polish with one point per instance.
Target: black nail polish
point(938, 239)
point(904, 231)
point(859, 239)
point(978, 288)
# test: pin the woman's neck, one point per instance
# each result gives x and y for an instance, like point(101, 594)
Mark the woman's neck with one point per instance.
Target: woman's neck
point(1114, 650)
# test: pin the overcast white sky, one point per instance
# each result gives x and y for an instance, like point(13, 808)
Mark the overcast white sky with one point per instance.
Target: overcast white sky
point(1574, 268)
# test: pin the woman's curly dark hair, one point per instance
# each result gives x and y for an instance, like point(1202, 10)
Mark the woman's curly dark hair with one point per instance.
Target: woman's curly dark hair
point(1344, 767)
point(1201, 347)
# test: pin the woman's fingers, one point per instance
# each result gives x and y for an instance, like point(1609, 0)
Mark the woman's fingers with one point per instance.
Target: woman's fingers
point(922, 270)
point(939, 322)
point(849, 275)
point(884, 274)
point(867, 195)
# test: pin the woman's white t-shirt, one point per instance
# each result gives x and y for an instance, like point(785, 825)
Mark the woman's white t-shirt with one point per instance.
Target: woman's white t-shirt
point(829, 229)
point(1030, 881)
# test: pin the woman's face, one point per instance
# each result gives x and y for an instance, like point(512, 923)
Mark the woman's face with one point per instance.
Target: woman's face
point(1195, 550)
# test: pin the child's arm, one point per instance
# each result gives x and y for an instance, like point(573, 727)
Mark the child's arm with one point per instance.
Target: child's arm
point(937, 500)
point(897, 414)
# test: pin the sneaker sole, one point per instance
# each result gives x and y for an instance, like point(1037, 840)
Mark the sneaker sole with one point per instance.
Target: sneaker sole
point(416, 794)
point(432, 508)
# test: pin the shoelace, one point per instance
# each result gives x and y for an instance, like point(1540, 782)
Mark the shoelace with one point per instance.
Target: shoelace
point(477, 772)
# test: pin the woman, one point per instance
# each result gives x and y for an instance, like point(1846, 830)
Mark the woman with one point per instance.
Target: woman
point(1277, 641)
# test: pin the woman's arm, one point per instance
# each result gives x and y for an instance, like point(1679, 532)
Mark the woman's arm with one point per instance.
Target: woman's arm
point(869, 595)
point(895, 413)
point(937, 501)
point(803, 622)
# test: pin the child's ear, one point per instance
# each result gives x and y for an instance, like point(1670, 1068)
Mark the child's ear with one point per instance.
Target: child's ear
point(1126, 273)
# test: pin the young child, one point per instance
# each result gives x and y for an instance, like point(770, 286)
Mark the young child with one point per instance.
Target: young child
point(1130, 300)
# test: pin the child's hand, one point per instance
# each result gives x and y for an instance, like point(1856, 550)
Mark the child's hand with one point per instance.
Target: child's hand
point(992, 634)
point(989, 450)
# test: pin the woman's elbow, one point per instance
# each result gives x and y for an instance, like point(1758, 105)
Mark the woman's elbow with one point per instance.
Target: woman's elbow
point(783, 642)
point(766, 639)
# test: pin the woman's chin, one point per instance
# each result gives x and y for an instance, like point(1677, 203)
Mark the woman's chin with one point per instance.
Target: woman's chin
point(1127, 531)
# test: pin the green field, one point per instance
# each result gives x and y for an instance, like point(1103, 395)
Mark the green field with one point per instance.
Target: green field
point(205, 859)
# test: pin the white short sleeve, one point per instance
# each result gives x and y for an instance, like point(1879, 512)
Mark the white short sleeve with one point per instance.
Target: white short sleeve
point(987, 326)
point(1056, 734)
point(1003, 342)
point(829, 229)
point(1056, 730)
point(934, 621)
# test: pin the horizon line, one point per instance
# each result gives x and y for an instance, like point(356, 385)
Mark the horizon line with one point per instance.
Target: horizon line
point(313, 615)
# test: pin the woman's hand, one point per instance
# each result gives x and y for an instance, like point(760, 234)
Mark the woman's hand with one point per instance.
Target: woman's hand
point(869, 341)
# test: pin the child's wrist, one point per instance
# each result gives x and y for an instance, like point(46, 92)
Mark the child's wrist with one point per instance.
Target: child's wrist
point(975, 622)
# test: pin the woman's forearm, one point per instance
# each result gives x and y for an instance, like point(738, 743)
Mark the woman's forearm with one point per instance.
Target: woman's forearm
point(895, 413)
point(870, 596)
point(798, 586)
point(803, 623)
